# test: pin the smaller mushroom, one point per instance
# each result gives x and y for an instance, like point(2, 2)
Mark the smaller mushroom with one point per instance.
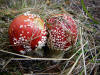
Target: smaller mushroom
point(62, 32)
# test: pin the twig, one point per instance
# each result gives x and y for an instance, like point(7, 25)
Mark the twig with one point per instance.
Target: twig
point(64, 68)
point(81, 42)
point(69, 73)
point(77, 51)
point(42, 74)
point(51, 67)
point(95, 56)
point(72, 57)
point(28, 57)
point(31, 58)
point(6, 63)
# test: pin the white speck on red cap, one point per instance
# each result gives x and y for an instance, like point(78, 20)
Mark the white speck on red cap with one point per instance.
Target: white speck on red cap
point(27, 32)
point(21, 26)
point(21, 34)
point(15, 43)
point(22, 31)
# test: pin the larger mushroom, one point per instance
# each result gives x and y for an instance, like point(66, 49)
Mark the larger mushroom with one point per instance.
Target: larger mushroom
point(62, 32)
point(27, 32)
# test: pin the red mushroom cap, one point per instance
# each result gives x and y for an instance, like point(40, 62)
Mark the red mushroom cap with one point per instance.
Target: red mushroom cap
point(62, 32)
point(27, 32)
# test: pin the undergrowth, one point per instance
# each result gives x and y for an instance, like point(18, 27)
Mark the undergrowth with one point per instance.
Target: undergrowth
point(82, 59)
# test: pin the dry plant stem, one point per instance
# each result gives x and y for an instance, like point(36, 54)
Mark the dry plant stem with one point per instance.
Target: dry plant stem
point(69, 73)
point(21, 68)
point(95, 60)
point(86, 66)
point(72, 57)
point(81, 42)
point(93, 44)
point(30, 58)
point(73, 2)
point(42, 74)
point(95, 55)
point(85, 27)
point(6, 64)
point(35, 1)
point(77, 51)
point(12, 11)
point(64, 68)
point(90, 54)
point(50, 67)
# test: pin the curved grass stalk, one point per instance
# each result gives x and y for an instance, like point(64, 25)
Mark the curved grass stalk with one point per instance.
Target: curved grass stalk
point(90, 16)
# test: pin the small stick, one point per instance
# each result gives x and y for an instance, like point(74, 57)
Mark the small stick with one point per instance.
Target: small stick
point(81, 41)
point(6, 64)
point(31, 58)
point(69, 73)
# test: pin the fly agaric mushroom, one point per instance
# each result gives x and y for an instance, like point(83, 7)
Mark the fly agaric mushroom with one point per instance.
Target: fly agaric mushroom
point(62, 32)
point(27, 32)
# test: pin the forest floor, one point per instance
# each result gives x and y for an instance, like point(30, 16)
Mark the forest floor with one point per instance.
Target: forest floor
point(85, 51)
